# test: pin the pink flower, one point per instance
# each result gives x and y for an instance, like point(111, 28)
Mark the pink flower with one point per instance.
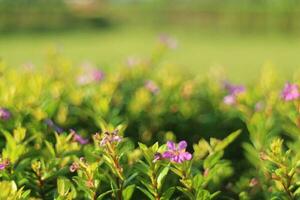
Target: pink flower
point(157, 157)
point(234, 89)
point(111, 137)
point(152, 87)
point(290, 92)
point(74, 167)
point(168, 41)
point(4, 114)
point(229, 99)
point(259, 106)
point(90, 74)
point(4, 164)
point(97, 75)
point(78, 138)
point(233, 92)
point(177, 152)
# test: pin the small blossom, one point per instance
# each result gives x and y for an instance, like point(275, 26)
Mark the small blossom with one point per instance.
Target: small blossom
point(229, 100)
point(168, 41)
point(290, 92)
point(234, 89)
point(78, 138)
point(4, 114)
point(177, 152)
point(53, 126)
point(4, 164)
point(74, 167)
point(253, 182)
point(90, 74)
point(151, 86)
point(132, 61)
point(157, 157)
point(233, 92)
point(111, 137)
point(98, 75)
point(82, 159)
point(259, 106)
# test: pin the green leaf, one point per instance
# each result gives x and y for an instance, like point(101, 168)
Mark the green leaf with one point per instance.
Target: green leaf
point(26, 194)
point(198, 180)
point(128, 191)
point(63, 186)
point(101, 196)
point(225, 142)
point(19, 134)
point(186, 193)
point(215, 194)
point(168, 194)
point(203, 195)
point(130, 178)
point(155, 147)
point(50, 148)
point(148, 194)
point(212, 160)
point(162, 175)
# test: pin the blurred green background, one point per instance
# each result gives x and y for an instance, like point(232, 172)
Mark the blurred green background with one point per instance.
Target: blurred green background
point(240, 36)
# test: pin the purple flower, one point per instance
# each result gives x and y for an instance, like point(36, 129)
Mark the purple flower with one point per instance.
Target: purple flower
point(234, 89)
point(4, 164)
point(233, 92)
point(4, 114)
point(90, 74)
point(290, 92)
point(151, 86)
point(97, 75)
point(157, 157)
point(177, 152)
point(111, 137)
point(53, 126)
point(78, 138)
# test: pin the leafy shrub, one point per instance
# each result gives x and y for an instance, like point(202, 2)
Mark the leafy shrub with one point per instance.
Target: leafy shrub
point(50, 148)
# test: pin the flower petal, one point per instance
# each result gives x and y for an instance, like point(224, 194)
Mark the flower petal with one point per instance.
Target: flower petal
point(182, 145)
point(171, 145)
point(168, 154)
point(186, 155)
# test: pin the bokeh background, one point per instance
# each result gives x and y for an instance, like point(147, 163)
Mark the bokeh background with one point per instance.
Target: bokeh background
point(240, 36)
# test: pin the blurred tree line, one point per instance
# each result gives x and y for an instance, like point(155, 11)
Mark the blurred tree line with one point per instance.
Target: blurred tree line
point(245, 15)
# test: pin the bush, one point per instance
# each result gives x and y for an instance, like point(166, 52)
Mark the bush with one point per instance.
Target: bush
point(50, 148)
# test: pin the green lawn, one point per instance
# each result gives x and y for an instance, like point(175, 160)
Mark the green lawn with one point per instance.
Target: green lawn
point(242, 56)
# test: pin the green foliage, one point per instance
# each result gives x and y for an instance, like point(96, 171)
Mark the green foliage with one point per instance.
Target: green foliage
point(79, 134)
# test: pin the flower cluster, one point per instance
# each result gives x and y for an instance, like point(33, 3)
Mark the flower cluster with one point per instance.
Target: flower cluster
point(77, 165)
point(110, 138)
point(290, 92)
point(4, 114)
point(90, 75)
point(78, 138)
point(233, 92)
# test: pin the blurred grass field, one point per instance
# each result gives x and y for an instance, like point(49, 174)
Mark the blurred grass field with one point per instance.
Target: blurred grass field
point(241, 55)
